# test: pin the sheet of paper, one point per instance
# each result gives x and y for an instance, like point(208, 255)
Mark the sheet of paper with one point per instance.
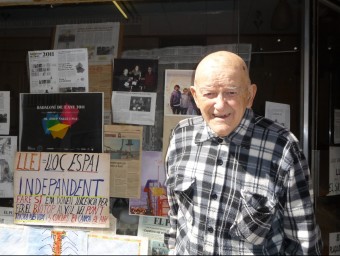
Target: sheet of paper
point(117, 245)
point(279, 113)
point(334, 171)
point(5, 116)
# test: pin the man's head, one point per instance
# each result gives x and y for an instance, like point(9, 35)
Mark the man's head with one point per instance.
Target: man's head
point(176, 87)
point(222, 90)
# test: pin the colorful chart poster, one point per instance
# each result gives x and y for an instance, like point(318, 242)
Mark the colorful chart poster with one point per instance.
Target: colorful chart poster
point(61, 122)
point(62, 189)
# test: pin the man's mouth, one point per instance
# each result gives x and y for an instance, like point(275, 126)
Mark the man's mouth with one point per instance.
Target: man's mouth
point(221, 116)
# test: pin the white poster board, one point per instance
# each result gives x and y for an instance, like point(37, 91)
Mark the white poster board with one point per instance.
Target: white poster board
point(62, 189)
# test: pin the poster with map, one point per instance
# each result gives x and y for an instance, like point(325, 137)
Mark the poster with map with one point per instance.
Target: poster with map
point(61, 122)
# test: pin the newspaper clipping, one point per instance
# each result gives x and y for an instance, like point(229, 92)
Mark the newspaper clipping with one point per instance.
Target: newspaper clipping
point(154, 229)
point(4, 112)
point(100, 39)
point(53, 71)
point(134, 107)
point(8, 148)
point(124, 143)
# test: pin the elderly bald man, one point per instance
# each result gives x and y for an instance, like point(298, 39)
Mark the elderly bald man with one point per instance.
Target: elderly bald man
point(237, 183)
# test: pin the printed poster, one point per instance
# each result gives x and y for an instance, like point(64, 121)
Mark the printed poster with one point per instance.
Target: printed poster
point(61, 122)
point(62, 189)
point(153, 200)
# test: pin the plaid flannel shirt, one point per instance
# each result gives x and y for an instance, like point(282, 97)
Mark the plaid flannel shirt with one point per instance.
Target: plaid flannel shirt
point(247, 193)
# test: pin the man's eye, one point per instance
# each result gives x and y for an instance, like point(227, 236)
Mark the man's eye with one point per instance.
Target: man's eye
point(231, 94)
point(209, 94)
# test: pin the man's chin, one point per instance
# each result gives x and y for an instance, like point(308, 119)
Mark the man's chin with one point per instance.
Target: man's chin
point(221, 130)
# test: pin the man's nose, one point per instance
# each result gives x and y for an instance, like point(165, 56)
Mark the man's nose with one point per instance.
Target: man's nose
point(219, 101)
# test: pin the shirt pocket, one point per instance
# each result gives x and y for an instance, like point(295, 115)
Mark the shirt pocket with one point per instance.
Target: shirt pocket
point(184, 192)
point(254, 218)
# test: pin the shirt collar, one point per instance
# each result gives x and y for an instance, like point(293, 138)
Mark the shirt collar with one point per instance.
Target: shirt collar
point(240, 136)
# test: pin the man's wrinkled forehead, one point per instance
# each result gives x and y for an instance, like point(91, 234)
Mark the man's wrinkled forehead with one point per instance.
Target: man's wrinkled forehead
point(221, 62)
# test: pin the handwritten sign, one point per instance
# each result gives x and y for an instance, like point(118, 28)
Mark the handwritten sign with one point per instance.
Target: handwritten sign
point(62, 189)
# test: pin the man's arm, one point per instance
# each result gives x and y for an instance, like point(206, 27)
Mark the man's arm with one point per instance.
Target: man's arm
point(302, 234)
point(170, 236)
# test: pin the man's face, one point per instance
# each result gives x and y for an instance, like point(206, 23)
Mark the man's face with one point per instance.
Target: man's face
point(222, 94)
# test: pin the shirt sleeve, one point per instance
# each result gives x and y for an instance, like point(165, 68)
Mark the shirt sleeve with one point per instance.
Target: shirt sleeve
point(302, 234)
point(170, 236)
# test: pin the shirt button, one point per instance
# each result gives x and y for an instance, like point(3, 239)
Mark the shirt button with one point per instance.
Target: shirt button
point(219, 162)
point(210, 229)
point(220, 140)
point(214, 196)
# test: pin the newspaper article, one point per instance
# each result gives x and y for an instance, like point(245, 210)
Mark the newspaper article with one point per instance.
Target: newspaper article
point(154, 228)
point(100, 80)
point(53, 71)
point(124, 143)
point(100, 39)
point(8, 148)
point(134, 107)
point(4, 112)
point(6, 215)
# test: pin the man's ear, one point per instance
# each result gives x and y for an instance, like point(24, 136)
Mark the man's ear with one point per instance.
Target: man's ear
point(251, 95)
point(194, 94)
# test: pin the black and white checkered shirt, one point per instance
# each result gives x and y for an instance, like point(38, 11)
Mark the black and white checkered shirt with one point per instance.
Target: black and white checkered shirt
point(247, 193)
